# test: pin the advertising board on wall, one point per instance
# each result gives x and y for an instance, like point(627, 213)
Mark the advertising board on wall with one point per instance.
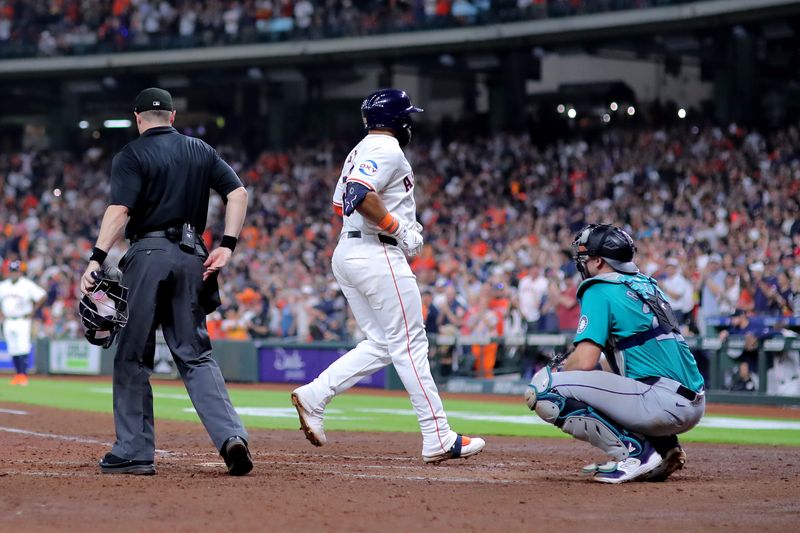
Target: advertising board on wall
point(73, 356)
point(301, 365)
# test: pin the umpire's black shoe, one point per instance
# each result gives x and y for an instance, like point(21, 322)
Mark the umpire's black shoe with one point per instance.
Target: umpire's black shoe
point(237, 456)
point(111, 464)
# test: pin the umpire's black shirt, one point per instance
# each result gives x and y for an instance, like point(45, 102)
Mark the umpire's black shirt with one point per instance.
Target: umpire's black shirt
point(164, 177)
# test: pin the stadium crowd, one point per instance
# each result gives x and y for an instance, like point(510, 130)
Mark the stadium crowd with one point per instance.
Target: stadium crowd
point(59, 27)
point(715, 213)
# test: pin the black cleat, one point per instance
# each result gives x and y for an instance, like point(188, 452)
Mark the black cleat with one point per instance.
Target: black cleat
point(237, 456)
point(111, 464)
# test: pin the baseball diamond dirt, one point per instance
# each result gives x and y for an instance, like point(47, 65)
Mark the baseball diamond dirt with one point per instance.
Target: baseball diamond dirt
point(49, 480)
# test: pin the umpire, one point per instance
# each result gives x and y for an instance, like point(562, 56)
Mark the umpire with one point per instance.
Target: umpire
point(159, 195)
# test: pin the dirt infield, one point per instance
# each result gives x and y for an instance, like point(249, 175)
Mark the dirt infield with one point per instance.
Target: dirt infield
point(370, 482)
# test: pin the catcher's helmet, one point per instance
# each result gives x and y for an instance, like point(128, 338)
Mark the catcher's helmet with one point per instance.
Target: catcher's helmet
point(388, 108)
point(608, 242)
point(104, 311)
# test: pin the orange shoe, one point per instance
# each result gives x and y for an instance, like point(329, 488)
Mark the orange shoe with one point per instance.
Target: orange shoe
point(23, 380)
point(15, 380)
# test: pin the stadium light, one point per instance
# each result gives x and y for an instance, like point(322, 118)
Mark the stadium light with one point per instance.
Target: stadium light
point(681, 113)
point(613, 106)
point(631, 110)
point(560, 109)
point(117, 123)
point(606, 118)
point(83, 124)
point(572, 113)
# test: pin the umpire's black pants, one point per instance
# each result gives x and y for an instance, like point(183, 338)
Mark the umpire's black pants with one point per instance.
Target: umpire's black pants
point(164, 285)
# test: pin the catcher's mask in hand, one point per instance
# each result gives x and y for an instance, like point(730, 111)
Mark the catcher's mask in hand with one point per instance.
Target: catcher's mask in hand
point(104, 310)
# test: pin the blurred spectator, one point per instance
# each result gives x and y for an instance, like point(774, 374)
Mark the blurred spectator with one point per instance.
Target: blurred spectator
point(430, 314)
point(568, 309)
point(532, 291)
point(451, 314)
point(255, 312)
point(548, 323)
point(754, 330)
point(512, 223)
point(680, 291)
point(785, 297)
point(731, 297)
point(484, 324)
point(70, 26)
point(764, 290)
point(712, 283)
point(234, 325)
point(784, 376)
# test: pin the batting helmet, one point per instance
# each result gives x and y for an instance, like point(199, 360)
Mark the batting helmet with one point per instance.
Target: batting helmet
point(388, 108)
point(608, 242)
point(104, 311)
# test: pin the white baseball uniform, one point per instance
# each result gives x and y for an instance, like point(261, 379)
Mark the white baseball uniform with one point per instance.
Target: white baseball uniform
point(382, 292)
point(17, 300)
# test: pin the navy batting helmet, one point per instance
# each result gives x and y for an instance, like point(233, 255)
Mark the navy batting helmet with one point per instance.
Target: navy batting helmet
point(388, 108)
point(611, 243)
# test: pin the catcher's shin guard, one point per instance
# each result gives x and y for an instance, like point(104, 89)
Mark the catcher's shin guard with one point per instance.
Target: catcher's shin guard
point(580, 420)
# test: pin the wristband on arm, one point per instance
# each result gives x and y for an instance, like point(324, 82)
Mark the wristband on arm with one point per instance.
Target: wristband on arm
point(389, 223)
point(228, 241)
point(98, 255)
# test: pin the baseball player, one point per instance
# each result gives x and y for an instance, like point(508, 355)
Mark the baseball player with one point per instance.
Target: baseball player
point(650, 389)
point(20, 298)
point(375, 194)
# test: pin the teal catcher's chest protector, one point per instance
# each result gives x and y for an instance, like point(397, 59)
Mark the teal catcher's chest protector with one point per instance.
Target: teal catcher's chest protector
point(653, 300)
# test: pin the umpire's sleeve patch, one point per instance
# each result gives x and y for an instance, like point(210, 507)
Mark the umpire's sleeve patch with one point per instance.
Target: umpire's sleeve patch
point(354, 194)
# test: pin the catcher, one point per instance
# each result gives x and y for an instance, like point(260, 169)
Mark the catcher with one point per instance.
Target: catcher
point(649, 390)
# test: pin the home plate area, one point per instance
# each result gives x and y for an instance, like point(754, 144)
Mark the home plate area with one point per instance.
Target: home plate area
point(365, 481)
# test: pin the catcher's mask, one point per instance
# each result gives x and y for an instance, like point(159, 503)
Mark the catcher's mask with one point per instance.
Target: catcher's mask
point(608, 242)
point(104, 310)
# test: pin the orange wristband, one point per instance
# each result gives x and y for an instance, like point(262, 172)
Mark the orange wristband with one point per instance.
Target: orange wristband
point(388, 223)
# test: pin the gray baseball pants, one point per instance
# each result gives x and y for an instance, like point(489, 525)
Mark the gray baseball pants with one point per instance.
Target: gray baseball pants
point(164, 285)
point(656, 410)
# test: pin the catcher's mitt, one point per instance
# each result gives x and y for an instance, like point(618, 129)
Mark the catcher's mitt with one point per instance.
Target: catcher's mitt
point(557, 359)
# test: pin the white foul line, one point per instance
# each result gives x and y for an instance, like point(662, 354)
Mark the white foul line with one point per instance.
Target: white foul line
point(82, 440)
point(13, 412)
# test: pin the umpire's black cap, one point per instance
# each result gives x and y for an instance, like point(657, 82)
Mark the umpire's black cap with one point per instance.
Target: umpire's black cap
point(153, 99)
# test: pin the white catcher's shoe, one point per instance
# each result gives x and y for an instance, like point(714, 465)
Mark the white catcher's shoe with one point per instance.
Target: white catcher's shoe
point(632, 468)
point(310, 421)
point(463, 447)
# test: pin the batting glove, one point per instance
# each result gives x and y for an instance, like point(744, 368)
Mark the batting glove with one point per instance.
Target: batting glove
point(409, 240)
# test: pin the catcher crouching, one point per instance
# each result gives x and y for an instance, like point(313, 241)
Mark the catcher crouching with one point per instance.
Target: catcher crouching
point(649, 389)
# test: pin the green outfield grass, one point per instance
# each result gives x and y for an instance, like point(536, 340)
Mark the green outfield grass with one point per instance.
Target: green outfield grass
point(363, 412)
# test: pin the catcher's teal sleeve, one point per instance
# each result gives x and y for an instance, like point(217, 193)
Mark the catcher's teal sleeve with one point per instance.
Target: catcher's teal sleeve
point(594, 324)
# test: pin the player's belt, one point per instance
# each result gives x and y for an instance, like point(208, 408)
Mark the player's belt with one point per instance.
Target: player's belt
point(357, 235)
point(173, 234)
point(686, 392)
